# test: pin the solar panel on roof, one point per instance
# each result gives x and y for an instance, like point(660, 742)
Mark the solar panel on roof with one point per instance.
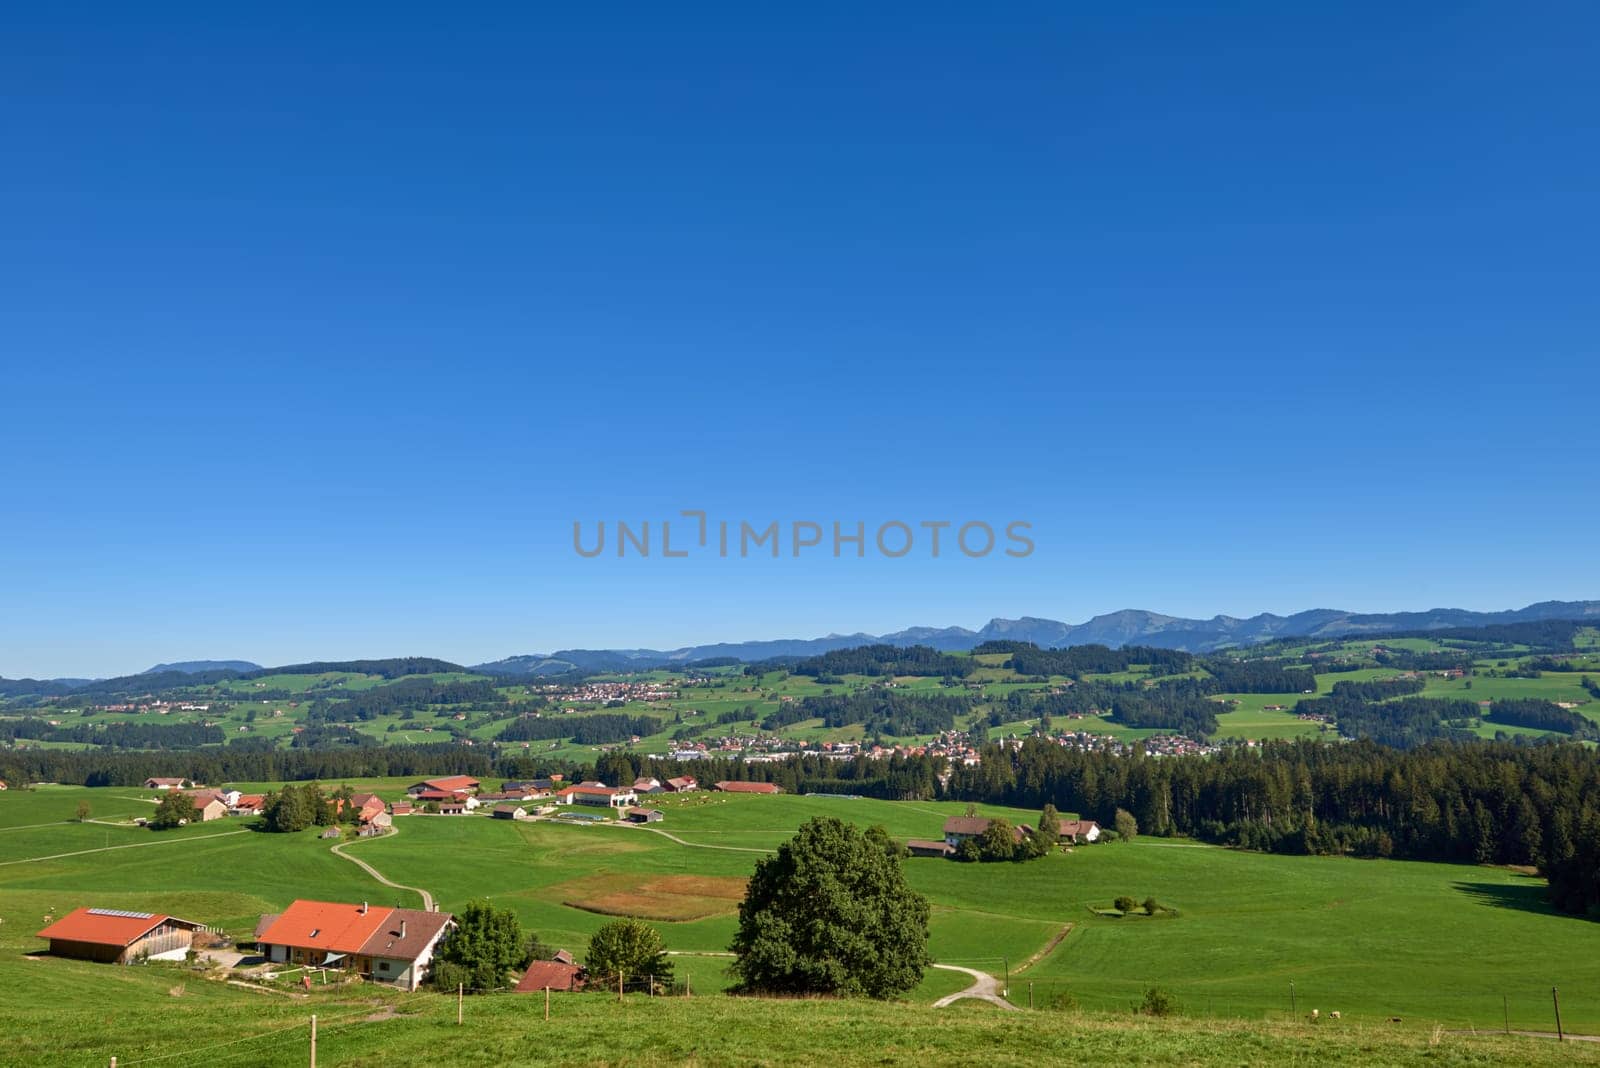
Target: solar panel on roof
point(123, 914)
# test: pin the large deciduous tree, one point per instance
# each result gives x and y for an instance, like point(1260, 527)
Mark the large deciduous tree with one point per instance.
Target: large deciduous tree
point(831, 913)
point(175, 809)
point(483, 949)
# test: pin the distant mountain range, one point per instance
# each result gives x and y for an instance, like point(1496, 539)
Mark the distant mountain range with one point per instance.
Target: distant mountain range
point(1116, 629)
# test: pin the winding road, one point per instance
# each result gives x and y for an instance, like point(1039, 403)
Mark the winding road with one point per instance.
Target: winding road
point(427, 898)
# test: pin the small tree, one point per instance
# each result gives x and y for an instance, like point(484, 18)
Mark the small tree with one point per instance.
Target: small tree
point(176, 809)
point(83, 811)
point(1050, 824)
point(486, 945)
point(1125, 904)
point(1127, 827)
point(343, 804)
point(1151, 905)
point(629, 948)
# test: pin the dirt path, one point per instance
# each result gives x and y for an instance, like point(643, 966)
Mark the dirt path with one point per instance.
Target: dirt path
point(1046, 951)
point(675, 838)
point(427, 898)
point(985, 987)
point(107, 849)
point(1570, 1037)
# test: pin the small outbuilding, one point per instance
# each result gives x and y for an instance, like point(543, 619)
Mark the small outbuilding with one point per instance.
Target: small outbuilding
point(644, 815)
point(509, 812)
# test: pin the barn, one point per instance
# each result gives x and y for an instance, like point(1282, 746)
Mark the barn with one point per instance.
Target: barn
point(115, 936)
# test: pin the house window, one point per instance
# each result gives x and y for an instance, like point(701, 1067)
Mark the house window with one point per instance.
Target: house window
point(383, 965)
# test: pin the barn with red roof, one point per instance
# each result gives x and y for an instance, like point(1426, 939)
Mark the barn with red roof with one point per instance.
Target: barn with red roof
point(119, 936)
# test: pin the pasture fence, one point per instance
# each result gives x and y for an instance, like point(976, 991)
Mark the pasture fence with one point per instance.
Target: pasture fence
point(1558, 1009)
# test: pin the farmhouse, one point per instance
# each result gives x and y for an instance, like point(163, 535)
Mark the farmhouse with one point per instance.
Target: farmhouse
point(452, 784)
point(166, 784)
point(647, 786)
point(923, 847)
point(112, 936)
point(598, 794)
point(509, 812)
point(958, 829)
point(382, 944)
point(681, 785)
point(400, 808)
point(366, 806)
point(551, 974)
point(750, 787)
point(1079, 831)
point(212, 809)
point(452, 808)
point(248, 805)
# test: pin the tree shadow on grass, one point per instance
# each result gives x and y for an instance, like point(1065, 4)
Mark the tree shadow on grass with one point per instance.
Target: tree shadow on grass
point(1527, 894)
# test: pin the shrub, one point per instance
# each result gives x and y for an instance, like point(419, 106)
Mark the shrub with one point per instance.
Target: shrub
point(1062, 1001)
point(1151, 905)
point(1158, 1002)
point(1124, 904)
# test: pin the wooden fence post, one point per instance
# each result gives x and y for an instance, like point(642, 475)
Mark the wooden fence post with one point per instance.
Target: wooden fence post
point(313, 1040)
point(547, 1002)
point(461, 991)
point(1555, 996)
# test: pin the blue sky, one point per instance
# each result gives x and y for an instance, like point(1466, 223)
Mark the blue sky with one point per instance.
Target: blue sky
point(321, 328)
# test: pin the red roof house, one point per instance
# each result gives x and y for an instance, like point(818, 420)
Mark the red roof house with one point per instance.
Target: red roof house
point(384, 944)
point(750, 787)
point(554, 974)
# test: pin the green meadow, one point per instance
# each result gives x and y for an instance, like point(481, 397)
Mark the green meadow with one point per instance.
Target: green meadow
point(1432, 945)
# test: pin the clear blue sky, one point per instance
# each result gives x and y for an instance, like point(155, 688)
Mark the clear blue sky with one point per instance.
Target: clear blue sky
point(321, 327)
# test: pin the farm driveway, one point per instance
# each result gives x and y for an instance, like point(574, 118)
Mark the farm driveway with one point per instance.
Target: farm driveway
point(427, 898)
point(985, 987)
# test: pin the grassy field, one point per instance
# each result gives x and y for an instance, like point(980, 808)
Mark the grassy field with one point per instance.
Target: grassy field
point(1432, 944)
point(81, 1014)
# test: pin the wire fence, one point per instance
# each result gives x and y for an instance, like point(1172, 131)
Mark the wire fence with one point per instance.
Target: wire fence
point(1573, 1009)
point(304, 1031)
point(1556, 1011)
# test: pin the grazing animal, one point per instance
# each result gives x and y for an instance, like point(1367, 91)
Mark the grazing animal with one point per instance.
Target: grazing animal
point(1334, 1015)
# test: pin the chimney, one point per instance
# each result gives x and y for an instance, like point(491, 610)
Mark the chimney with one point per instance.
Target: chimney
point(363, 908)
point(402, 928)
